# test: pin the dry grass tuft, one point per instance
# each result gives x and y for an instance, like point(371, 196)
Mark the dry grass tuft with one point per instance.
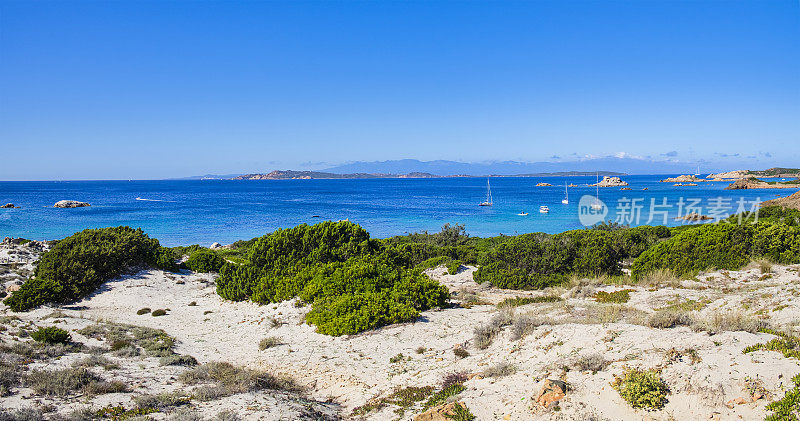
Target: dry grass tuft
point(665, 319)
point(728, 321)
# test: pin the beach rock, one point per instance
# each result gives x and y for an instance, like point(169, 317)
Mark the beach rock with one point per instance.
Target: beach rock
point(13, 288)
point(443, 412)
point(682, 179)
point(792, 202)
point(625, 188)
point(216, 246)
point(551, 392)
point(9, 206)
point(543, 185)
point(610, 182)
point(70, 204)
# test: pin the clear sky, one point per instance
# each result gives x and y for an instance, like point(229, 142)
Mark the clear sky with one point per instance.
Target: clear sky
point(152, 89)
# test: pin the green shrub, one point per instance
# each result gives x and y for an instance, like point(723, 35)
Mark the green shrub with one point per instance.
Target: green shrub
point(642, 388)
point(159, 312)
point(51, 335)
point(352, 282)
point(441, 396)
point(78, 264)
point(142, 311)
point(454, 266)
point(204, 260)
point(721, 246)
point(535, 261)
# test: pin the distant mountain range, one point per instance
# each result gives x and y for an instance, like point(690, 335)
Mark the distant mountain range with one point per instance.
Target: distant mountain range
point(412, 168)
point(308, 175)
point(606, 166)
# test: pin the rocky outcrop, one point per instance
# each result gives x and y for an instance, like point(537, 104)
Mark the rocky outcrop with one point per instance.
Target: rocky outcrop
point(730, 175)
point(754, 183)
point(443, 412)
point(9, 206)
point(543, 185)
point(215, 246)
point(70, 204)
point(792, 202)
point(682, 179)
point(551, 392)
point(611, 182)
point(693, 216)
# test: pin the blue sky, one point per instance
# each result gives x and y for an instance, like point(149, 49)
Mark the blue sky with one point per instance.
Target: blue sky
point(163, 89)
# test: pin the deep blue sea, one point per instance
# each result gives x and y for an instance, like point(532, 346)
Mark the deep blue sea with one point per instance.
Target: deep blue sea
point(180, 212)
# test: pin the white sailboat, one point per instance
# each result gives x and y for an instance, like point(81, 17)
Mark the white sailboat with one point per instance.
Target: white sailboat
point(597, 205)
point(566, 194)
point(544, 209)
point(488, 201)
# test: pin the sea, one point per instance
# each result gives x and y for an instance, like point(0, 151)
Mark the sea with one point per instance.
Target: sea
point(184, 212)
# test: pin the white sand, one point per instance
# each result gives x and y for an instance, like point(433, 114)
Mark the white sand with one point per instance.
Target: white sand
point(352, 370)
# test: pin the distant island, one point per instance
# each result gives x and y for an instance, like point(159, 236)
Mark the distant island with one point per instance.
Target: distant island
point(320, 175)
point(309, 175)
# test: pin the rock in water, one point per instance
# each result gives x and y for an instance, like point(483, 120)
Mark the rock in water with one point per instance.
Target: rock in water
point(611, 182)
point(9, 206)
point(551, 392)
point(70, 204)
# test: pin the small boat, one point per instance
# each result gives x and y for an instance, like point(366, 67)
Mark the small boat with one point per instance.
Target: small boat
point(544, 209)
point(566, 194)
point(523, 214)
point(596, 205)
point(488, 201)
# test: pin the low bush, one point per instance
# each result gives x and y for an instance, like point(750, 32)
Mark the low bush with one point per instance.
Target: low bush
point(535, 261)
point(352, 282)
point(501, 369)
point(591, 362)
point(268, 342)
point(665, 319)
point(184, 360)
point(204, 260)
point(78, 264)
point(484, 334)
point(51, 335)
point(721, 246)
point(234, 379)
point(160, 401)
point(460, 352)
point(642, 388)
point(443, 395)
point(61, 382)
point(454, 266)
point(142, 311)
point(521, 301)
point(618, 297)
point(727, 322)
point(460, 413)
point(159, 312)
point(125, 340)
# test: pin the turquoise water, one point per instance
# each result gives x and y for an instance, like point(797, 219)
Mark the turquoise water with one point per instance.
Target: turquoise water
point(188, 212)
